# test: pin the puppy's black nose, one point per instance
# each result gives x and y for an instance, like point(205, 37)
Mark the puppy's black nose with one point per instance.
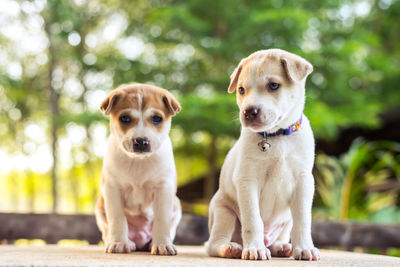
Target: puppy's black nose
point(141, 144)
point(251, 113)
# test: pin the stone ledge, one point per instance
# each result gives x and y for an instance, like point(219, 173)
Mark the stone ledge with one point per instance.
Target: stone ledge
point(52, 255)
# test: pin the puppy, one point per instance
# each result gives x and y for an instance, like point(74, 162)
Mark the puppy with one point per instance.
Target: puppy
point(137, 208)
point(266, 184)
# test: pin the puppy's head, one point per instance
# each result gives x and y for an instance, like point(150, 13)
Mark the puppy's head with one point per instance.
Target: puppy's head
point(269, 85)
point(140, 117)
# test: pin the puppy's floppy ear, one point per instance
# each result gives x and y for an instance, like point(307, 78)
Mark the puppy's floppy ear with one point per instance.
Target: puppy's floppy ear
point(235, 77)
point(296, 68)
point(109, 102)
point(171, 103)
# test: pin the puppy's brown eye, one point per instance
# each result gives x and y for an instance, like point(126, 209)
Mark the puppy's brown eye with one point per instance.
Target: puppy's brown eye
point(156, 120)
point(125, 119)
point(273, 86)
point(241, 90)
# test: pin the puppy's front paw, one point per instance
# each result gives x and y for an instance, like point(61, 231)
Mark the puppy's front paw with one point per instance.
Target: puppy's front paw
point(280, 249)
point(230, 250)
point(306, 254)
point(120, 247)
point(163, 249)
point(253, 253)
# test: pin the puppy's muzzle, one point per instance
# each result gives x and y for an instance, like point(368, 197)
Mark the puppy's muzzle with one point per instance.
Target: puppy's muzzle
point(141, 145)
point(251, 114)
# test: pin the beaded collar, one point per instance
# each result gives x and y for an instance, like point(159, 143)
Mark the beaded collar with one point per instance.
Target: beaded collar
point(264, 145)
point(288, 131)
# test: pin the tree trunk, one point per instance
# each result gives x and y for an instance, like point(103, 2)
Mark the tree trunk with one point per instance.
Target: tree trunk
point(54, 111)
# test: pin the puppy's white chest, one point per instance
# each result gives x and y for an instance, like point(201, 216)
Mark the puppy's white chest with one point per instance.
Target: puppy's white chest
point(138, 186)
point(138, 199)
point(276, 192)
point(137, 180)
point(275, 172)
point(278, 184)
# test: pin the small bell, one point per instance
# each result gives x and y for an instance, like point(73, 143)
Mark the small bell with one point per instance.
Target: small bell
point(264, 145)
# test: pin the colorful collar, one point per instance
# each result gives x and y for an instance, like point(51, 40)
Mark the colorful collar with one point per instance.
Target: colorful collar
point(288, 131)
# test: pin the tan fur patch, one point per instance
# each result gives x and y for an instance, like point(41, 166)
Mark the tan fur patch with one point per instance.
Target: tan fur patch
point(140, 97)
point(151, 96)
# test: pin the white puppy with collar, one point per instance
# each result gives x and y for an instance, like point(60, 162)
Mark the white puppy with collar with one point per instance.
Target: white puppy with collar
point(137, 208)
point(266, 184)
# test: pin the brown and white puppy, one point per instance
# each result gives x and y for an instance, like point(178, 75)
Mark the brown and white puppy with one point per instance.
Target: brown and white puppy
point(265, 195)
point(137, 208)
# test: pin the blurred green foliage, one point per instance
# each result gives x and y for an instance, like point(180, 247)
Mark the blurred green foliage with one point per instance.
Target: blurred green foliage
point(360, 185)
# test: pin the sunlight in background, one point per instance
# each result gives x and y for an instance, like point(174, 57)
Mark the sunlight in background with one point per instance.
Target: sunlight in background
point(24, 53)
point(28, 39)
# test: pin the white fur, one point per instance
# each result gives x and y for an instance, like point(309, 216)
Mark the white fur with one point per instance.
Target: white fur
point(262, 194)
point(139, 185)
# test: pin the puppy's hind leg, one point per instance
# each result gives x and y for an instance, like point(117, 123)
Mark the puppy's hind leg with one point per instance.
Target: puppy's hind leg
point(101, 219)
point(281, 247)
point(222, 226)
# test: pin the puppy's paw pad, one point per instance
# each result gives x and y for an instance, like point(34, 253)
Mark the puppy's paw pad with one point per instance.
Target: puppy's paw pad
point(230, 250)
point(120, 247)
point(163, 249)
point(306, 254)
point(279, 249)
point(253, 253)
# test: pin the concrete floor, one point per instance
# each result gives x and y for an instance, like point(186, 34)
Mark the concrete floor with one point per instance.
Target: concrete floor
point(52, 255)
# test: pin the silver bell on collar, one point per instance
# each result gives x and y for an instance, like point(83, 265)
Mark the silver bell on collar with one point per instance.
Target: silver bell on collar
point(264, 145)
